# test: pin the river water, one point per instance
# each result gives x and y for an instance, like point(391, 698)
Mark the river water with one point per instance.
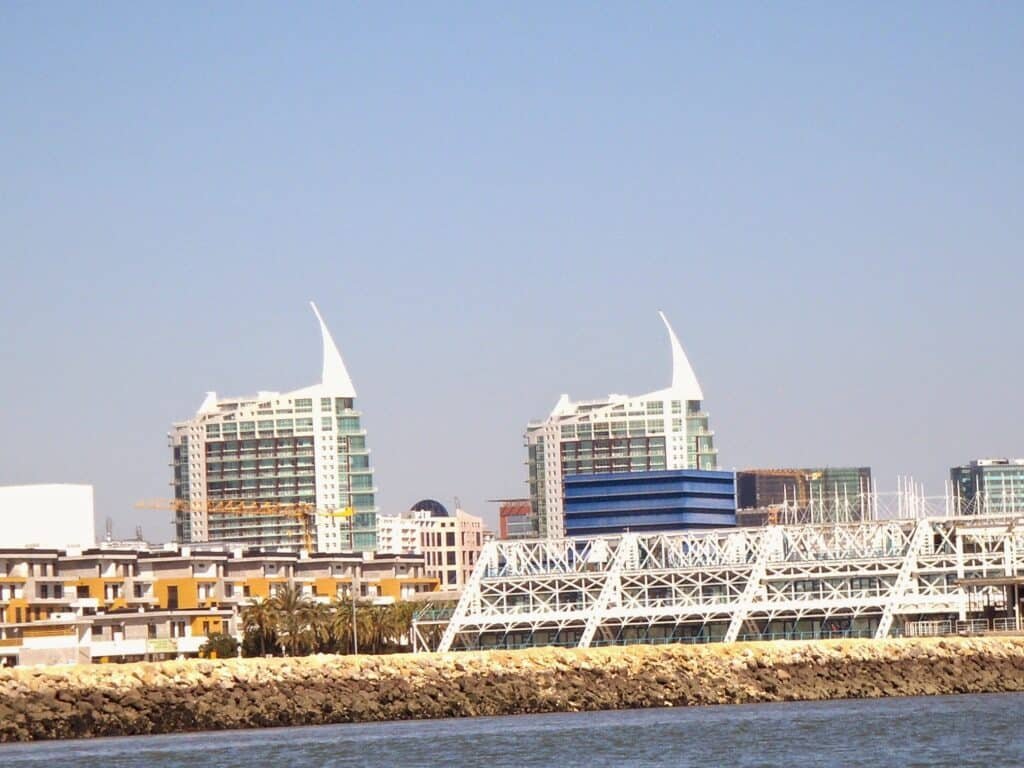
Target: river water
point(981, 730)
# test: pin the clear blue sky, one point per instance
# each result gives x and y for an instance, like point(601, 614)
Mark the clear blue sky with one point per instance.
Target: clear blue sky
point(489, 203)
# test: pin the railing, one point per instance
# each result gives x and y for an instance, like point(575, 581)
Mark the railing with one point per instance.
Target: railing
point(684, 640)
point(1004, 625)
point(48, 632)
point(972, 627)
point(928, 628)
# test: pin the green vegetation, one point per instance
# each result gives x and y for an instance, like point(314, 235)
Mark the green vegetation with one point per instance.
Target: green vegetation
point(291, 624)
point(219, 646)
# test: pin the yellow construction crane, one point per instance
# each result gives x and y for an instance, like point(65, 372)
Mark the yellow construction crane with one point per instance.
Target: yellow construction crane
point(303, 512)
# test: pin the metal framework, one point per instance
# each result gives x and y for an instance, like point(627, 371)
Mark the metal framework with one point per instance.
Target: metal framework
point(732, 584)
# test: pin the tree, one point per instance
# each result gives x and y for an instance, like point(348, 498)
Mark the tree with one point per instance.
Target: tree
point(401, 622)
point(293, 611)
point(219, 646)
point(259, 621)
point(341, 625)
point(321, 625)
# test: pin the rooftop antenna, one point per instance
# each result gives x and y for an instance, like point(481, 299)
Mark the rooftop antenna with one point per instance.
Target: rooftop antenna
point(110, 530)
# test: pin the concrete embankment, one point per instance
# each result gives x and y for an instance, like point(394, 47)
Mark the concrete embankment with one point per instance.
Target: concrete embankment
point(109, 700)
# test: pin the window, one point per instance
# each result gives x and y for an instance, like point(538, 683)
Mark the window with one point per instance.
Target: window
point(151, 631)
point(449, 539)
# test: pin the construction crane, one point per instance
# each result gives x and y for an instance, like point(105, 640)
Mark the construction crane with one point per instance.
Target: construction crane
point(303, 512)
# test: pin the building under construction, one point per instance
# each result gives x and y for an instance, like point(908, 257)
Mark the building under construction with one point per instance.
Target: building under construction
point(820, 495)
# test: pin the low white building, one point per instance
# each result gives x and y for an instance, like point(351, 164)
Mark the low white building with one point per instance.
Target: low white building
point(51, 516)
point(450, 544)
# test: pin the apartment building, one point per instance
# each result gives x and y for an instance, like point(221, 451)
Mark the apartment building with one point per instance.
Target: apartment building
point(449, 544)
point(302, 450)
point(662, 430)
point(96, 604)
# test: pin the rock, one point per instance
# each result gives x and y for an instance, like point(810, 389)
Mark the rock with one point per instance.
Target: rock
point(243, 693)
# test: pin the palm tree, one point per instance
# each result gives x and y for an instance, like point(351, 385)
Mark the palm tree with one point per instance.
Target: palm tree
point(401, 623)
point(293, 619)
point(321, 625)
point(260, 620)
point(341, 625)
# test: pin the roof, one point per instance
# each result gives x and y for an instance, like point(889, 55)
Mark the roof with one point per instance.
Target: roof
point(684, 384)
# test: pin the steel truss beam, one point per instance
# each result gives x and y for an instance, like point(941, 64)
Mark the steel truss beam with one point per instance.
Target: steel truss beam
point(710, 583)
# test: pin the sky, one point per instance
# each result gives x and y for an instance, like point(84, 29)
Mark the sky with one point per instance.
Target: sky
point(489, 203)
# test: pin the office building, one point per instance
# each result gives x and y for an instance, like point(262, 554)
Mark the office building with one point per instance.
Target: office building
point(293, 452)
point(515, 519)
point(449, 544)
point(662, 430)
point(988, 487)
point(53, 515)
point(666, 500)
point(807, 495)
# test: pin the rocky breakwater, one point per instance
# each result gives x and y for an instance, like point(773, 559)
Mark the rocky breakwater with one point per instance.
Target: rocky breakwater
point(109, 700)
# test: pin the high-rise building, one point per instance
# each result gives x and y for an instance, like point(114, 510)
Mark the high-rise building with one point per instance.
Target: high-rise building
point(306, 447)
point(988, 487)
point(450, 544)
point(666, 429)
point(820, 494)
point(515, 519)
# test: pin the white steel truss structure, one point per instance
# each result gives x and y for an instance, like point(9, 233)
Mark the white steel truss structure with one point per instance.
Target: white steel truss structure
point(864, 579)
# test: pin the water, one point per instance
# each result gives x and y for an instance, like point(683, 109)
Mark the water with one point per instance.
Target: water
point(938, 731)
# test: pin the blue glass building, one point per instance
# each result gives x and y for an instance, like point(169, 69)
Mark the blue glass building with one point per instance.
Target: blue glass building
point(667, 500)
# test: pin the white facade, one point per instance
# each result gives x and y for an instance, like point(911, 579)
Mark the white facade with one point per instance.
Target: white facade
point(305, 447)
point(400, 534)
point(660, 430)
point(451, 545)
point(47, 516)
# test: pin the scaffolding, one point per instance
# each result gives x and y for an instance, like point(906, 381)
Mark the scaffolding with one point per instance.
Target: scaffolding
point(872, 579)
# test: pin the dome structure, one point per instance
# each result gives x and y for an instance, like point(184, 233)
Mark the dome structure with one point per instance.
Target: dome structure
point(434, 507)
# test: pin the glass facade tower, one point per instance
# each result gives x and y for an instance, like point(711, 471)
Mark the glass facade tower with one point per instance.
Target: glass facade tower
point(989, 487)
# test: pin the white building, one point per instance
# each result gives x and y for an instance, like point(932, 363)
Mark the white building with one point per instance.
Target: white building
point(305, 448)
point(665, 429)
point(450, 544)
point(47, 516)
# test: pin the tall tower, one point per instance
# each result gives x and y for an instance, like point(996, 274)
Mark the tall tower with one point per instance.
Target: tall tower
point(306, 446)
point(666, 429)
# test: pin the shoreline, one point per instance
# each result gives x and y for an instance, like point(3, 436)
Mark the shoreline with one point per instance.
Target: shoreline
point(211, 695)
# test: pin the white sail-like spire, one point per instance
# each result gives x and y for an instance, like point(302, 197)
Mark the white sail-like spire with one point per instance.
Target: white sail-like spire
point(335, 376)
point(684, 380)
